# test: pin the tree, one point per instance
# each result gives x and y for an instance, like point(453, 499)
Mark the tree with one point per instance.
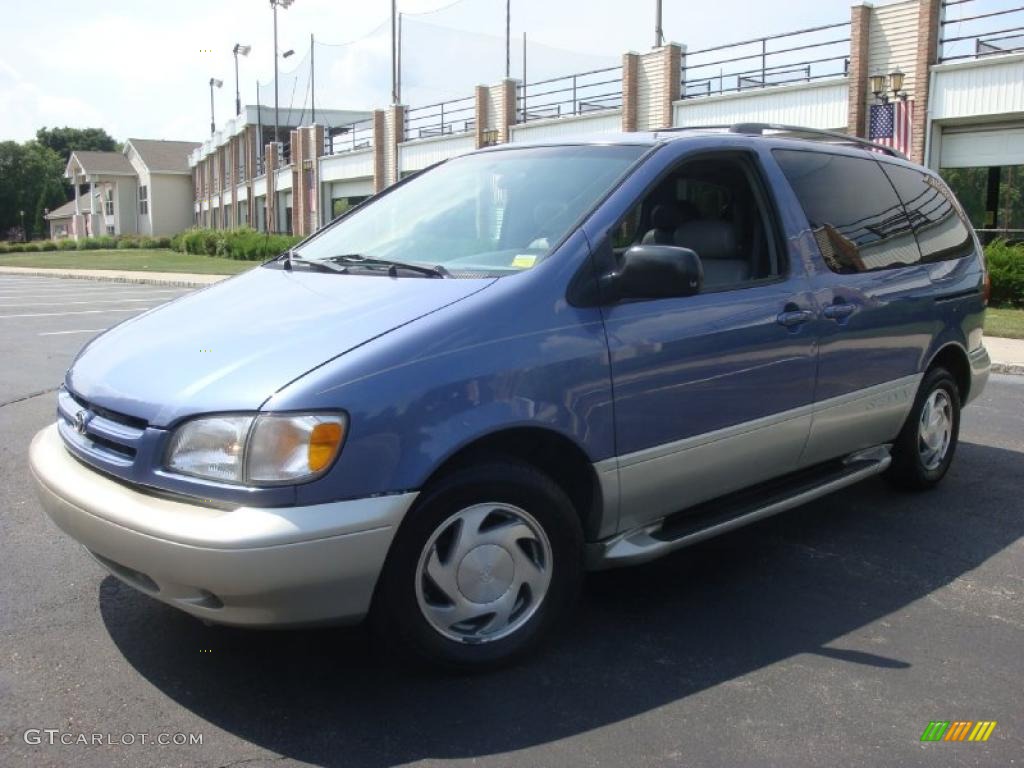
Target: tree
point(66, 140)
point(25, 170)
point(53, 194)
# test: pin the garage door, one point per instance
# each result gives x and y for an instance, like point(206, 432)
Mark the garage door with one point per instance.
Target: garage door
point(981, 147)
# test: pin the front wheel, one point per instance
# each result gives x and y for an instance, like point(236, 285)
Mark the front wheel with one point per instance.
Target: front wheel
point(483, 567)
point(924, 449)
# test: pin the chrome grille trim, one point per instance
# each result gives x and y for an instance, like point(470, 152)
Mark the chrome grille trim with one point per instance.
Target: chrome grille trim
point(104, 438)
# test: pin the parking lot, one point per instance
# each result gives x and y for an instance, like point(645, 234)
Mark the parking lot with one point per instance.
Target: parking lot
point(830, 635)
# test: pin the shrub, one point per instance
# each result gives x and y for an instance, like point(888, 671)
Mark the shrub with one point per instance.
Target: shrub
point(161, 242)
point(67, 244)
point(1006, 269)
point(31, 247)
point(48, 245)
point(127, 242)
point(5, 248)
point(242, 243)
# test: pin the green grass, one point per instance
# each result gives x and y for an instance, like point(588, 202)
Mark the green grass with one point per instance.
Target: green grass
point(142, 260)
point(1008, 323)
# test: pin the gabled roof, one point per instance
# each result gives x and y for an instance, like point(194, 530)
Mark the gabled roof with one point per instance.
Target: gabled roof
point(163, 156)
point(64, 212)
point(96, 163)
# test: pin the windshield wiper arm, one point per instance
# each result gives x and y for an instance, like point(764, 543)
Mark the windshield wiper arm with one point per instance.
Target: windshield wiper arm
point(291, 258)
point(394, 266)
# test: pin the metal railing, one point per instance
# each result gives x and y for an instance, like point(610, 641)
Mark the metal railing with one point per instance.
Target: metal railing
point(972, 29)
point(349, 137)
point(442, 119)
point(576, 94)
point(806, 55)
point(261, 165)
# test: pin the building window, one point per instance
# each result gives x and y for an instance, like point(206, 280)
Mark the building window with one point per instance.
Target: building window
point(143, 199)
point(110, 229)
point(108, 202)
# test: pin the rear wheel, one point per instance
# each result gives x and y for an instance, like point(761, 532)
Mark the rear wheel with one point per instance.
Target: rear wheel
point(482, 569)
point(924, 449)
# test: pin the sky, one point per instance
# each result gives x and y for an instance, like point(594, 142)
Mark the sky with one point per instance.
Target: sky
point(141, 68)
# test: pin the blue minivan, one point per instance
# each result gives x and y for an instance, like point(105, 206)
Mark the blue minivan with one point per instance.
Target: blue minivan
point(521, 364)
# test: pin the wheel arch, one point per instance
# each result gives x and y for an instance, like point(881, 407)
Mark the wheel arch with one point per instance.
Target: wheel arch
point(551, 452)
point(953, 357)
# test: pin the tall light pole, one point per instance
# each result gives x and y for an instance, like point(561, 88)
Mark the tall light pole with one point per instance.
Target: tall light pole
point(242, 50)
point(277, 115)
point(394, 51)
point(214, 83)
point(508, 39)
point(659, 34)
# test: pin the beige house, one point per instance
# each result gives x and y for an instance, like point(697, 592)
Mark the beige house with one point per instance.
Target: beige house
point(146, 189)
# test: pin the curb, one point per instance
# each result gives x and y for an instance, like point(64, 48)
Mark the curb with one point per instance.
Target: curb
point(186, 281)
point(1014, 369)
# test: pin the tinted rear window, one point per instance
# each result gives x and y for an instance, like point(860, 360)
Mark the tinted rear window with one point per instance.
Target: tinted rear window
point(941, 232)
point(856, 217)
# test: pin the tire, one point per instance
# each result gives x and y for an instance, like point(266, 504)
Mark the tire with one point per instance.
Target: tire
point(924, 450)
point(481, 529)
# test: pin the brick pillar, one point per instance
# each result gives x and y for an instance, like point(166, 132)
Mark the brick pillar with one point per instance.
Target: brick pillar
point(232, 150)
point(658, 82)
point(394, 127)
point(482, 118)
point(305, 178)
point(273, 154)
point(857, 76)
point(506, 116)
point(379, 150)
point(630, 64)
point(928, 14)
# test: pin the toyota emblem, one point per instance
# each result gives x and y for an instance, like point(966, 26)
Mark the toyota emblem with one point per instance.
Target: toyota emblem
point(80, 422)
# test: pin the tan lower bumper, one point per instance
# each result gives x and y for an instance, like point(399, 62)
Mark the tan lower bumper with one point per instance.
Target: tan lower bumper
point(245, 566)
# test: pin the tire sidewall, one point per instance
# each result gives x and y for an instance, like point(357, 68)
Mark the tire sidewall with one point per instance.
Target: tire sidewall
point(908, 461)
point(396, 608)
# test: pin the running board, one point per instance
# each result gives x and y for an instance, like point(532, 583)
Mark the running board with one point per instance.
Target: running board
point(734, 511)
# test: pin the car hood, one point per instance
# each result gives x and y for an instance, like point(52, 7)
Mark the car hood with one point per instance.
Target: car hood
point(231, 346)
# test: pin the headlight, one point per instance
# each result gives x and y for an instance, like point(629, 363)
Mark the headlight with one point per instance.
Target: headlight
point(272, 449)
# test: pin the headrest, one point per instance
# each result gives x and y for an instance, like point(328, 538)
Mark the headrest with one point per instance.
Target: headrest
point(709, 239)
point(666, 216)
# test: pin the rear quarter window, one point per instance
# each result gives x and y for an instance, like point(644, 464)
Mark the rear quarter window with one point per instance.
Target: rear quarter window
point(940, 228)
point(856, 217)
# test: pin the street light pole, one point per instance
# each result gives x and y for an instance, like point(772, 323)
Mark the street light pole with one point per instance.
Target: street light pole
point(214, 82)
point(659, 35)
point(244, 51)
point(277, 116)
point(508, 39)
point(394, 51)
point(24, 234)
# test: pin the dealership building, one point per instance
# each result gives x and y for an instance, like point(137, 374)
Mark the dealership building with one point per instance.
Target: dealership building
point(941, 80)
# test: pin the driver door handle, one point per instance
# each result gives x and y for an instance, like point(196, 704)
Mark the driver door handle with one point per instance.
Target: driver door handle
point(839, 311)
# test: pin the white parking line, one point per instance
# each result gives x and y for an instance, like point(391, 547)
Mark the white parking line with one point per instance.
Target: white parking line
point(62, 333)
point(65, 303)
point(81, 312)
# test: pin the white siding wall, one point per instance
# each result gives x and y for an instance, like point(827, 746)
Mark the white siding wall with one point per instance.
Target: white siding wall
point(414, 155)
point(650, 86)
point(259, 187)
point(991, 86)
point(495, 106)
point(349, 165)
point(141, 223)
point(893, 43)
point(349, 188)
point(982, 147)
point(823, 104)
point(284, 179)
point(600, 122)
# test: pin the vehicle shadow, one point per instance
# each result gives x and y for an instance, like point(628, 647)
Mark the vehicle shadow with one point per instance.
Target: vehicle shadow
point(643, 637)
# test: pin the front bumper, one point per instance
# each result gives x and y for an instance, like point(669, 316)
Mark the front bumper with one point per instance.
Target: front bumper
point(981, 366)
point(245, 566)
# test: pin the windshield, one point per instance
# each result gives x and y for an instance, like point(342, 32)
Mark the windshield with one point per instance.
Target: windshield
point(491, 213)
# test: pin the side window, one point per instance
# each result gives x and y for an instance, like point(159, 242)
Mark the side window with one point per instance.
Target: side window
point(856, 217)
point(940, 229)
point(711, 206)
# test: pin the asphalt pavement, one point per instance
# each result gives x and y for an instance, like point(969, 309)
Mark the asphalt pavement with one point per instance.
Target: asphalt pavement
point(829, 635)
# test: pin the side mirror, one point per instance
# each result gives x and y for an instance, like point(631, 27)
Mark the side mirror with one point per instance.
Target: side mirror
point(655, 272)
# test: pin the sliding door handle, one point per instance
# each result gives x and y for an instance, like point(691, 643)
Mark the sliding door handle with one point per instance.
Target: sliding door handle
point(839, 311)
point(791, 318)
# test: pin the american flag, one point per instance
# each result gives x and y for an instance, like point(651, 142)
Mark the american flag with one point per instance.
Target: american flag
point(890, 125)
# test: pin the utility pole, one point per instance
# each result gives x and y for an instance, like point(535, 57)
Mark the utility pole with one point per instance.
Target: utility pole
point(312, 78)
point(659, 35)
point(394, 51)
point(399, 54)
point(508, 39)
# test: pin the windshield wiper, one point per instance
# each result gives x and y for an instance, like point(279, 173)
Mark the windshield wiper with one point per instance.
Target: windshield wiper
point(392, 265)
point(291, 258)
